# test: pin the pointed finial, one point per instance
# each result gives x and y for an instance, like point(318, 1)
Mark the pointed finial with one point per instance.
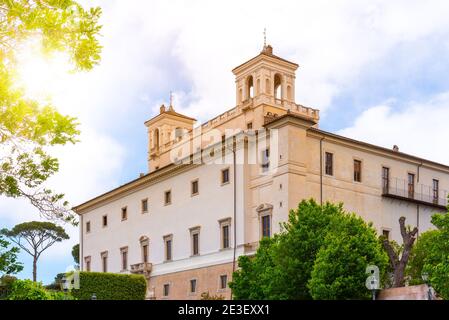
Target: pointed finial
point(171, 98)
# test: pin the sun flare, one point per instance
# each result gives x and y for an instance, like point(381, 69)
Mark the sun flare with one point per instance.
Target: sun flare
point(41, 76)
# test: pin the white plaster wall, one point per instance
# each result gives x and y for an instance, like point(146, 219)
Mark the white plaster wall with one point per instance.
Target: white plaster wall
point(213, 203)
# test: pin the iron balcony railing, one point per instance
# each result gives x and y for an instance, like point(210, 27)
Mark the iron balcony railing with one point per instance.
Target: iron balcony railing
point(415, 192)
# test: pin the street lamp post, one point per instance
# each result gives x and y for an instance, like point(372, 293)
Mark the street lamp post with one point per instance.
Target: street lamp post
point(372, 282)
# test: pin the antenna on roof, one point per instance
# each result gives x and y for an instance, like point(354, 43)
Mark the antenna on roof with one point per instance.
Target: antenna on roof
point(264, 37)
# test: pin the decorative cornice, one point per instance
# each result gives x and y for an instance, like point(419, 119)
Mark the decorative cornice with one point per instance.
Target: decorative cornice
point(134, 186)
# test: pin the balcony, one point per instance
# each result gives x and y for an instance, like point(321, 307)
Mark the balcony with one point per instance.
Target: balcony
point(417, 193)
point(142, 268)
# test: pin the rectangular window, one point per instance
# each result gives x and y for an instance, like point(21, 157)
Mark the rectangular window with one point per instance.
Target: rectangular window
point(223, 281)
point(411, 185)
point(385, 180)
point(168, 248)
point(167, 197)
point(266, 226)
point(194, 187)
point(193, 286)
point(105, 221)
point(104, 261)
point(435, 190)
point(225, 176)
point(144, 205)
point(386, 234)
point(195, 240)
point(145, 253)
point(124, 254)
point(166, 290)
point(124, 213)
point(265, 160)
point(357, 170)
point(87, 226)
point(225, 236)
point(329, 164)
point(87, 263)
point(249, 125)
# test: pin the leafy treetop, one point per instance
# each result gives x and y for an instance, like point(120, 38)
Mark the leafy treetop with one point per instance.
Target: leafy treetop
point(26, 126)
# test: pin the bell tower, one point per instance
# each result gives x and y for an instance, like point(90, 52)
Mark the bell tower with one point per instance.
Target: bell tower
point(266, 78)
point(164, 130)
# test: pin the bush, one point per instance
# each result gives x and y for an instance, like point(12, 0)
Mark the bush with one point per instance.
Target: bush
point(339, 270)
point(28, 290)
point(6, 285)
point(110, 286)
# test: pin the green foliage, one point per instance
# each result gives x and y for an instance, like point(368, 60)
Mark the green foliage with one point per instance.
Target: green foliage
point(110, 286)
point(8, 258)
point(340, 265)
point(252, 281)
point(26, 126)
point(76, 253)
point(30, 290)
point(282, 266)
point(431, 255)
point(421, 254)
point(57, 282)
point(6, 285)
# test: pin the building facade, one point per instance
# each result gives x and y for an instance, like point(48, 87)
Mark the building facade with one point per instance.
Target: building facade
point(213, 191)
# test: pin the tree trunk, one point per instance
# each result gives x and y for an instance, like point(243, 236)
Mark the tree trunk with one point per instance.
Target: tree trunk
point(398, 265)
point(34, 268)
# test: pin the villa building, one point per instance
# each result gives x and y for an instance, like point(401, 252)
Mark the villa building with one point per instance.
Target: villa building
point(210, 196)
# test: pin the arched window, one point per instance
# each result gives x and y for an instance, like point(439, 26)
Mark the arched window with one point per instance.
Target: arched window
point(277, 86)
point(258, 87)
point(156, 138)
point(289, 92)
point(250, 87)
point(179, 132)
point(267, 86)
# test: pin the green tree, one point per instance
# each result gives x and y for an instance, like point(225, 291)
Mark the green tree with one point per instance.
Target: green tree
point(76, 253)
point(35, 237)
point(282, 266)
point(27, 128)
point(253, 280)
point(421, 254)
point(339, 271)
point(431, 255)
point(8, 258)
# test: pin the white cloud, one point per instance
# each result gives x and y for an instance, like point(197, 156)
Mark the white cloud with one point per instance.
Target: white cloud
point(419, 128)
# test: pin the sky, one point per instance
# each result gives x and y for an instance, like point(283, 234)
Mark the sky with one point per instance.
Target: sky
point(377, 70)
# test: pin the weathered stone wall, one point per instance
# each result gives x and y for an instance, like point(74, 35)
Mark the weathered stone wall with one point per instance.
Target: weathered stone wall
point(405, 293)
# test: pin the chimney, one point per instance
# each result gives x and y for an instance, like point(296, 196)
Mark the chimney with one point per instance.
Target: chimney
point(395, 148)
point(141, 175)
